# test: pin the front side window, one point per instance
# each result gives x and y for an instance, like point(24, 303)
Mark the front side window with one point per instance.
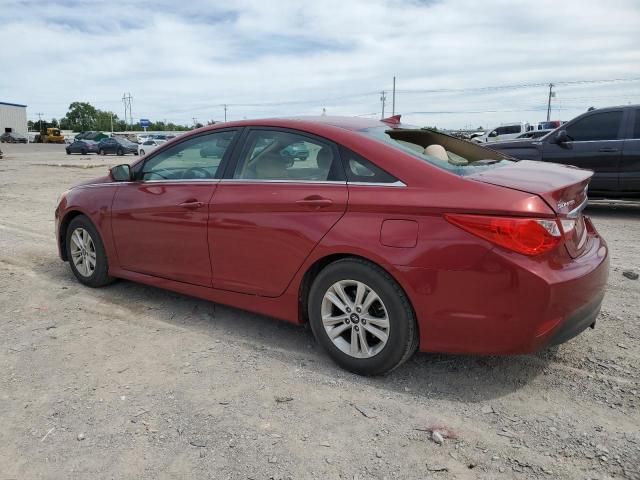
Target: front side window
point(195, 159)
point(598, 126)
point(286, 156)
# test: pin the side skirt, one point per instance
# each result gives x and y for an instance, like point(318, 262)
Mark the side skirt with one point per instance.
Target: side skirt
point(284, 307)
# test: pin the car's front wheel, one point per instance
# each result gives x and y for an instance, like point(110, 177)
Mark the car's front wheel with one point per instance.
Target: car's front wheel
point(141, 152)
point(85, 252)
point(102, 152)
point(362, 317)
point(120, 152)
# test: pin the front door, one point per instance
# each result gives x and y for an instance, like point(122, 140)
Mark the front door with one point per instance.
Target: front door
point(284, 194)
point(159, 221)
point(595, 143)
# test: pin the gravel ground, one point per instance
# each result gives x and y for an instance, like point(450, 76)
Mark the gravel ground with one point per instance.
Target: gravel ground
point(131, 381)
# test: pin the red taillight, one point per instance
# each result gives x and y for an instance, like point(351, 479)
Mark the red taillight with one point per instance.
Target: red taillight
point(529, 236)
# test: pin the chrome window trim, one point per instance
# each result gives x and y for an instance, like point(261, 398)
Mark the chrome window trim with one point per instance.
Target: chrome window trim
point(181, 180)
point(258, 180)
point(396, 184)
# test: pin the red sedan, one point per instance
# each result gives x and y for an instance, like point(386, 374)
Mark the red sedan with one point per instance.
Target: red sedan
point(384, 238)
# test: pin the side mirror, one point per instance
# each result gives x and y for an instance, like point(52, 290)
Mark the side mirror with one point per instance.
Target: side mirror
point(493, 134)
point(121, 173)
point(561, 137)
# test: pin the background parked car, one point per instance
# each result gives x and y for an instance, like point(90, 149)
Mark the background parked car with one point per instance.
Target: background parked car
point(149, 146)
point(95, 136)
point(606, 140)
point(117, 146)
point(503, 132)
point(82, 146)
point(12, 137)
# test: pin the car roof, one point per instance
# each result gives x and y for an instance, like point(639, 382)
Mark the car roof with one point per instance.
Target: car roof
point(348, 123)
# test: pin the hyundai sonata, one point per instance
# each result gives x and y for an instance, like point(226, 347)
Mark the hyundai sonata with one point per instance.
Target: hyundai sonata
point(384, 238)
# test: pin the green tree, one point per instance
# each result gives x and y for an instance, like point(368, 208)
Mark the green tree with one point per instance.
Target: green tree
point(103, 120)
point(82, 116)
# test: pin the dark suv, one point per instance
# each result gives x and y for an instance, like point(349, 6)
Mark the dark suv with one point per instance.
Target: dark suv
point(606, 140)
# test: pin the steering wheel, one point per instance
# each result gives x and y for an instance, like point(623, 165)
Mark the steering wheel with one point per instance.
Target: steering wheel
point(195, 173)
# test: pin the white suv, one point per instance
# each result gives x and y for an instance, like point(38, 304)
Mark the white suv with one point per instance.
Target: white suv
point(503, 132)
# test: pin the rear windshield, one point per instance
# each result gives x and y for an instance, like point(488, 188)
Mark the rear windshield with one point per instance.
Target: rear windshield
point(457, 156)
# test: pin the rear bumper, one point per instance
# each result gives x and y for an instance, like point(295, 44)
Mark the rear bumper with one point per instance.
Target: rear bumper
point(576, 323)
point(508, 303)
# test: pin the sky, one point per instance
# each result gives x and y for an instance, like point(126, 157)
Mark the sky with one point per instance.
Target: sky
point(457, 63)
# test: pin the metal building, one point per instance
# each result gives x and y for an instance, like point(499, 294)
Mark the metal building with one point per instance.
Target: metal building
point(13, 118)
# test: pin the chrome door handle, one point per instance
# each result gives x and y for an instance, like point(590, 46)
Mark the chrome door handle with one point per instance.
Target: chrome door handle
point(315, 201)
point(192, 204)
point(608, 150)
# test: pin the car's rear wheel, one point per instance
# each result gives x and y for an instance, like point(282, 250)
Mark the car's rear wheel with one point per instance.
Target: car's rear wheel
point(83, 152)
point(101, 152)
point(141, 152)
point(120, 152)
point(68, 151)
point(362, 317)
point(86, 254)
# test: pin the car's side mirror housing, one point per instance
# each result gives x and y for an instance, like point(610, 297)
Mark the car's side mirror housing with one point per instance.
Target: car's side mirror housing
point(493, 134)
point(121, 173)
point(561, 137)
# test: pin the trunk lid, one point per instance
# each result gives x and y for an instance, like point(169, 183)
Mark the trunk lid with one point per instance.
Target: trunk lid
point(562, 187)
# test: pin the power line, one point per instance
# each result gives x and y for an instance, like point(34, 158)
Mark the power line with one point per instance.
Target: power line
point(517, 86)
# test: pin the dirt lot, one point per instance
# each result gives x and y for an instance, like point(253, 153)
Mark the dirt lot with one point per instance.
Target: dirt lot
point(134, 382)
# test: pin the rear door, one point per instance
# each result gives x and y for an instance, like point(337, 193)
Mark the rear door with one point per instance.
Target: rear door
point(595, 143)
point(272, 208)
point(159, 221)
point(630, 162)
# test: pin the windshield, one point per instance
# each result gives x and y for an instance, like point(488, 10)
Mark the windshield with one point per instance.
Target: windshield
point(449, 153)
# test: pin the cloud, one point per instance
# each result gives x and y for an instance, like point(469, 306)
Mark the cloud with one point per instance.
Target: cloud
point(182, 60)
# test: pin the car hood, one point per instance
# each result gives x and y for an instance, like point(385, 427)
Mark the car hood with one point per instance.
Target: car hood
point(94, 181)
point(519, 143)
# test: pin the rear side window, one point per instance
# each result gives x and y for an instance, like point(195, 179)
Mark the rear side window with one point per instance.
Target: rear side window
point(598, 126)
point(361, 170)
point(274, 155)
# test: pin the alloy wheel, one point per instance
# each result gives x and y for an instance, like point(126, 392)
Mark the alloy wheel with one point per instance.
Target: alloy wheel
point(83, 252)
point(355, 318)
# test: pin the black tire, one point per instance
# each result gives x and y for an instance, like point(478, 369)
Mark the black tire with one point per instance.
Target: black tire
point(100, 276)
point(102, 152)
point(83, 152)
point(142, 152)
point(68, 151)
point(403, 332)
point(120, 152)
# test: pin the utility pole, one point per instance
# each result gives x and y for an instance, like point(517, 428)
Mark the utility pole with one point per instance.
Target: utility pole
point(195, 121)
point(111, 121)
point(383, 99)
point(39, 121)
point(225, 112)
point(126, 100)
point(393, 98)
point(551, 94)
